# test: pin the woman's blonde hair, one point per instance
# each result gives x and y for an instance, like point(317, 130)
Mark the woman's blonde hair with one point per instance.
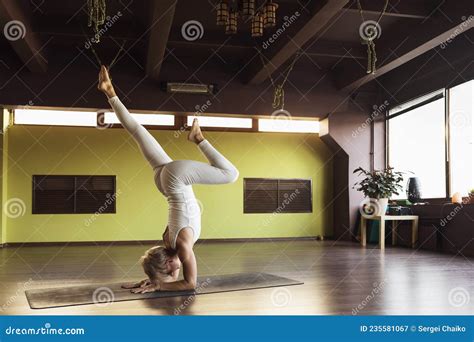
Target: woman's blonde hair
point(154, 262)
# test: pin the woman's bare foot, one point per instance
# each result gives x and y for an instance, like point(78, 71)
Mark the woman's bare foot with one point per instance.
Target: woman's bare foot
point(195, 134)
point(105, 83)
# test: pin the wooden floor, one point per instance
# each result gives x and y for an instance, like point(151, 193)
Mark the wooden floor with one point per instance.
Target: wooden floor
point(340, 278)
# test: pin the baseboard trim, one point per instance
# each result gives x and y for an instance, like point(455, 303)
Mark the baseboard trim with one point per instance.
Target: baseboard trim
point(153, 242)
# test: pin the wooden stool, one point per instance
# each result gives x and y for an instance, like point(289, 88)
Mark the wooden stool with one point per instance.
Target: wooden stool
point(394, 219)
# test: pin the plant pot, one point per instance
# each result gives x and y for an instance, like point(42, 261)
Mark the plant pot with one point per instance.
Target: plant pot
point(371, 207)
point(382, 204)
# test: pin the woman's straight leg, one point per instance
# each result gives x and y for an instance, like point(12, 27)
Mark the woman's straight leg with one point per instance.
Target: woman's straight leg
point(150, 148)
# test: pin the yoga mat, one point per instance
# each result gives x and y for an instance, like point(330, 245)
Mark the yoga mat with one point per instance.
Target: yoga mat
point(102, 294)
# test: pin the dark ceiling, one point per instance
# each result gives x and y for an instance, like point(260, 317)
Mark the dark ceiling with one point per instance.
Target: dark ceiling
point(327, 36)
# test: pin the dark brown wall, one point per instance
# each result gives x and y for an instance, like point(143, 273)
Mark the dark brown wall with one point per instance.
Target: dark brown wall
point(71, 82)
point(349, 135)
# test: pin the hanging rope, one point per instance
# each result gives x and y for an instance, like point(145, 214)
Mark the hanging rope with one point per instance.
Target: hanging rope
point(96, 55)
point(279, 91)
point(96, 12)
point(369, 39)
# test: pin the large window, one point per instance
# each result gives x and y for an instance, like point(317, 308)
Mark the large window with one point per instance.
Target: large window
point(461, 109)
point(432, 138)
point(417, 147)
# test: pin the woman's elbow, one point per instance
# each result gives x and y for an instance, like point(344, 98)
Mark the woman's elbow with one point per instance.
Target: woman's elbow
point(191, 285)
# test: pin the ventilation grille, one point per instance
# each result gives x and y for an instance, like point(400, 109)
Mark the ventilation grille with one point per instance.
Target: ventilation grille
point(73, 194)
point(263, 195)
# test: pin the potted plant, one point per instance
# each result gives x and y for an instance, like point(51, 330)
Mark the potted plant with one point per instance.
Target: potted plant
point(378, 186)
point(471, 196)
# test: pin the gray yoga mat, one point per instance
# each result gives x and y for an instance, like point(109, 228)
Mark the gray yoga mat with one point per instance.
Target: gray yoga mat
point(102, 294)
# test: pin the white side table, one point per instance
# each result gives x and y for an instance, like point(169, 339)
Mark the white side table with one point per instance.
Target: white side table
point(394, 219)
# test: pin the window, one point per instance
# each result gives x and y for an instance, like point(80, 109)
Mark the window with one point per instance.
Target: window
point(263, 195)
point(144, 119)
point(288, 125)
point(32, 116)
point(419, 101)
point(220, 121)
point(461, 133)
point(416, 142)
point(54, 117)
point(73, 194)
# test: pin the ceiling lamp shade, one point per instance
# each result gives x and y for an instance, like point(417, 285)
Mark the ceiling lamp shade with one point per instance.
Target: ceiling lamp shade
point(231, 27)
point(248, 9)
point(257, 25)
point(222, 13)
point(269, 14)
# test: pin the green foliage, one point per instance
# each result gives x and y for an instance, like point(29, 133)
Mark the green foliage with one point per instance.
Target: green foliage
point(379, 183)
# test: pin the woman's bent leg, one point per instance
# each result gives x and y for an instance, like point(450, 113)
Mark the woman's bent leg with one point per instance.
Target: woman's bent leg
point(221, 170)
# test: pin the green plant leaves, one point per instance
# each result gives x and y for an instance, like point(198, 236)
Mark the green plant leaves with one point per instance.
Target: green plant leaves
point(379, 183)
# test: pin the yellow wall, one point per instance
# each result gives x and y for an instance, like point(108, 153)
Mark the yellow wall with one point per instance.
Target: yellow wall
point(141, 209)
point(4, 120)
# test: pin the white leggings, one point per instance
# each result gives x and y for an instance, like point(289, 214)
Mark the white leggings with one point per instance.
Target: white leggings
point(174, 179)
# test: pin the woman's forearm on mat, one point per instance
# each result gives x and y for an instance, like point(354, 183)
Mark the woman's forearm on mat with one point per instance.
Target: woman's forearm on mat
point(180, 285)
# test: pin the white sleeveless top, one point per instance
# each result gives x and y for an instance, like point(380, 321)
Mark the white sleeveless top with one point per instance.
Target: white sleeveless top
point(183, 207)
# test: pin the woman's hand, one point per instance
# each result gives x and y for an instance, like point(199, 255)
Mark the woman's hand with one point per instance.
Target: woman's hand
point(143, 283)
point(151, 287)
point(105, 83)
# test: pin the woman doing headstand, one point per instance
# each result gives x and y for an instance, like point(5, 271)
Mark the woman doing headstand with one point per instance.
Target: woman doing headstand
point(174, 179)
